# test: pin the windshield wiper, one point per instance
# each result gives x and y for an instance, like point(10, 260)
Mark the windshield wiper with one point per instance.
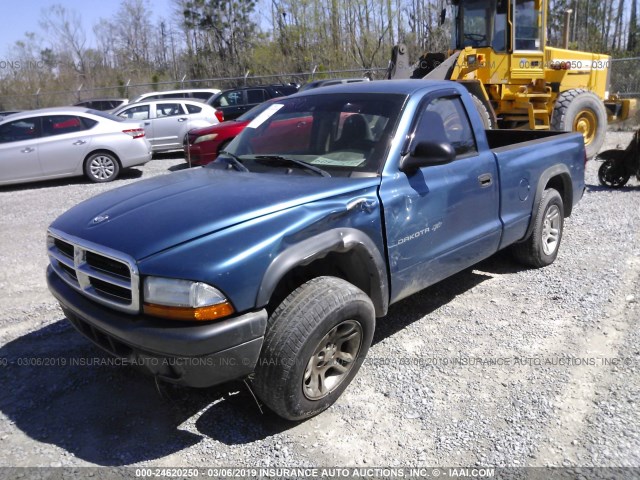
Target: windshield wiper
point(300, 163)
point(235, 161)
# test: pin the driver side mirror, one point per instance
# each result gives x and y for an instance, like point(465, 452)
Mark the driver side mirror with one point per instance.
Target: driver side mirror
point(425, 154)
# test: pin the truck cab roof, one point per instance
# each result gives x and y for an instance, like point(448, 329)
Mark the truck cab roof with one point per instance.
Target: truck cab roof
point(407, 87)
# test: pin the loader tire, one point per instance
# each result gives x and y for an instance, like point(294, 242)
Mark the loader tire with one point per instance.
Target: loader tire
point(484, 113)
point(581, 111)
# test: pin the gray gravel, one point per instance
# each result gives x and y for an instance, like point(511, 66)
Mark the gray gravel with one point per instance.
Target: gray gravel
point(496, 366)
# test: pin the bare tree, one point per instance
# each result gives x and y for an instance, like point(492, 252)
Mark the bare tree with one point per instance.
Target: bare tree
point(69, 39)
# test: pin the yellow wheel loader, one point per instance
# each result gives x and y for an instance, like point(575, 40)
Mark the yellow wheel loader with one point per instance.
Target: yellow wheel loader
point(499, 52)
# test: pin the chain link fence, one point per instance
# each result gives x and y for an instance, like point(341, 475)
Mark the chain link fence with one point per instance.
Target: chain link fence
point(41, 99)
point(625, 82)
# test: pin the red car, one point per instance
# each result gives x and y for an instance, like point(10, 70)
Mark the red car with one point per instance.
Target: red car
point(202, 145)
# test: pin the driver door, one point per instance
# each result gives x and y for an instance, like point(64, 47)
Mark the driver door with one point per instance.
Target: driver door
point(441, 219)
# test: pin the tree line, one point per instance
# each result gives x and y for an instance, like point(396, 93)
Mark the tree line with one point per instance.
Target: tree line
point(227, 38)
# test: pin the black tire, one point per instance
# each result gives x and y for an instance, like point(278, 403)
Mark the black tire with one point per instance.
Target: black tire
point(571, 106)
point(539, 250)
point(484, 113)
point(100, 167)
point(300, 330)
point(612, 175)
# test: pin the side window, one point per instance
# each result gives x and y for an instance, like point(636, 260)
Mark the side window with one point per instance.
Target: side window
point(88, 122)
point(193, 108)
point(499, 41)
point(61, 124)
point(201, 95)
point(446, 118)
point(24, 129)
point(256, 96)
point(527, 25)
point(139, 112)
point(229, 99)
point(168, 110)
point(174, 95)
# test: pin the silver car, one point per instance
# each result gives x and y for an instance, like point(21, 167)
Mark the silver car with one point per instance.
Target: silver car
point(203, 94)
point(168, 121)
point(68, 141)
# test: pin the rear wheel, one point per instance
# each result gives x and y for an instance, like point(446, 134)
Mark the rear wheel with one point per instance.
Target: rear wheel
point(101, 167)
point(541, 248)
point(583, 112)
point(315, 343)
point(611, 175)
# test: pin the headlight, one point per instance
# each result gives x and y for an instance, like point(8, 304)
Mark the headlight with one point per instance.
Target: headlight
point(184, 300)
point(206, 138)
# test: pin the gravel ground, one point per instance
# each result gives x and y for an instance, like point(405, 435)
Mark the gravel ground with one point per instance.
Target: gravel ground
point(497, 366)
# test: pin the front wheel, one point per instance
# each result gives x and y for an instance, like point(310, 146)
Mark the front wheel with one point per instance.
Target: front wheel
point(315, 343)
point(101, 167)
point(610, 175)
point(541, 248)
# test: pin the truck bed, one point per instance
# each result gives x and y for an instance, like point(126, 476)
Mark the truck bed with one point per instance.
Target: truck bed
point(523, 156)
point(508, 138)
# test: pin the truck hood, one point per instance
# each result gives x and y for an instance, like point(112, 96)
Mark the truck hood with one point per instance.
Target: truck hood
point(153, 215)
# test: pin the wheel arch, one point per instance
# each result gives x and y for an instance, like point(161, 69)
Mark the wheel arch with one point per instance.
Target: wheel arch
point(345, 253)
point(557, 177)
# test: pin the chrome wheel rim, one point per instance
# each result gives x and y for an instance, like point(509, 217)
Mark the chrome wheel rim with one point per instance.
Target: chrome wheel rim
point(102, 167)
point(551, 230)
point(332, 360)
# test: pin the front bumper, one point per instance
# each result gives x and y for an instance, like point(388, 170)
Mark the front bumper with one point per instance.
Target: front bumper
point(199, 156)
point(185, 353)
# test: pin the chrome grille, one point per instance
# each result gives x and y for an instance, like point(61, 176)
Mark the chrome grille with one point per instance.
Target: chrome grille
point(104, 275)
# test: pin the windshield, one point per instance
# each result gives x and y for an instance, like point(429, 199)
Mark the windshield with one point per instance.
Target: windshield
point(341, 133)
point(481, 24)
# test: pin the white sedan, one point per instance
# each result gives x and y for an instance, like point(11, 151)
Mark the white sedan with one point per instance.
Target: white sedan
point(167, 121)
point(68, 141)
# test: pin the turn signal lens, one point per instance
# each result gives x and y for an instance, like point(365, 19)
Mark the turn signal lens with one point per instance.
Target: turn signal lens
point(211, 312)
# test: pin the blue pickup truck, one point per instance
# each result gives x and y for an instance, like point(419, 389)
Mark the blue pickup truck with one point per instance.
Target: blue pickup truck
point(274, 262)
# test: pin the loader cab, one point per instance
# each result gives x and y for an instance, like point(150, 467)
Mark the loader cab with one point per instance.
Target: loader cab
point(502, 25)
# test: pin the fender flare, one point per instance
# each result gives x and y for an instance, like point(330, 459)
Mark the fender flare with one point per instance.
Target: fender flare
point(561, 171)
point(339, 240)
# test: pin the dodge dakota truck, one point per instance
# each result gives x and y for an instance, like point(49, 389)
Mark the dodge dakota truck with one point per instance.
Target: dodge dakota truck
point(273, 263)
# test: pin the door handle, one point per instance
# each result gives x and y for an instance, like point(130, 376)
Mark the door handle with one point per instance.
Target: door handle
point(147, 123)
point(79, 142)
point(485, 180)
point(182, 119)
point(27, 150)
